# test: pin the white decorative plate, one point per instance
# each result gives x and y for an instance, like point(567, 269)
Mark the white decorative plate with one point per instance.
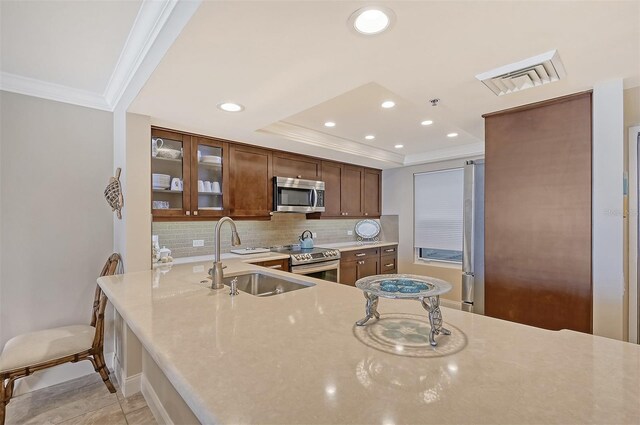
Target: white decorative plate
point(367, 229)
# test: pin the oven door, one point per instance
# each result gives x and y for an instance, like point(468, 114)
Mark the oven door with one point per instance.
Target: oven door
point(327, 270)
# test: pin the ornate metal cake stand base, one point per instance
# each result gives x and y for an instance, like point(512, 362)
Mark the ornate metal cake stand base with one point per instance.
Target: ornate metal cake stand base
point(431, 304)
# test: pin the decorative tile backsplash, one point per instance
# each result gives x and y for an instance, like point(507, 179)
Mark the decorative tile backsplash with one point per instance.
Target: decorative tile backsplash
point(283, 229)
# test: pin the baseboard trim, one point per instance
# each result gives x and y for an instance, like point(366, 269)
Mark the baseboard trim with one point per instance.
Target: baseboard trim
point(153, 401)
point(57, 375)
point(129, 385)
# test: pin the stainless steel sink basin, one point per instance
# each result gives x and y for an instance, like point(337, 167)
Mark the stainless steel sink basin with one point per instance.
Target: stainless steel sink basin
point(264, 285)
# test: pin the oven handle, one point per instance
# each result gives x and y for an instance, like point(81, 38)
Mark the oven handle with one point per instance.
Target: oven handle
point(334, 265)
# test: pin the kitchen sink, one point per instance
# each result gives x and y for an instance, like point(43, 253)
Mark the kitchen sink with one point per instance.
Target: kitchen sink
point(264, 285)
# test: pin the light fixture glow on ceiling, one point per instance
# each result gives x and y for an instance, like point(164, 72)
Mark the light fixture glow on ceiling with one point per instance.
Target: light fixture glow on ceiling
point(426, 122)
point(231, 107)
point(452, 135)
point(371, 20)
point(329, 124)
point(388, 104)
point(399, 146)
point(370, 137)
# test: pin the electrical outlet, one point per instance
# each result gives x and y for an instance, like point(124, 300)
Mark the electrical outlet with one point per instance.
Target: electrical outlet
point(198, 242)
point(314, 235)
point(349, 232)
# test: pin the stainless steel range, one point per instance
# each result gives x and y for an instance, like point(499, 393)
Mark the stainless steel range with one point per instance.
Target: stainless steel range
point(321, 263)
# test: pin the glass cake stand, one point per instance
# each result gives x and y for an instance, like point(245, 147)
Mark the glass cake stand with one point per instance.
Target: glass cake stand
point(425, 289)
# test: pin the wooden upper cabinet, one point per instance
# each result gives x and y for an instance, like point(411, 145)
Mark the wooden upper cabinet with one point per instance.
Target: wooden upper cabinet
point(372, 192)
point(250, 181)
point(237, 180)
point(165, 202)
point(295, 166)
point(213, 200)
point(351, 191)
point(332, 177)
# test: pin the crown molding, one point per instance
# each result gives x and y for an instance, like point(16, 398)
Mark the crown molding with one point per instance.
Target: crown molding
point(43, 89)
point(151, 18)
point(315, 138)
point(455, 152)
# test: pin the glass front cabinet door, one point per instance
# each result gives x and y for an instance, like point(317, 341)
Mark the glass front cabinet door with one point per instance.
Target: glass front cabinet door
point(209, 177)
point(170, 184)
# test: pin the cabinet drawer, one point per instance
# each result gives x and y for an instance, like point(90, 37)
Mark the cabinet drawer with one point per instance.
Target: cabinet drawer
point(389, 250)
point(359, 254)
point(388, 264)
point(275, 264)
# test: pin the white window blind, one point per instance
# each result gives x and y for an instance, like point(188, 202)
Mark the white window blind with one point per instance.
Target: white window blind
point(439, 209)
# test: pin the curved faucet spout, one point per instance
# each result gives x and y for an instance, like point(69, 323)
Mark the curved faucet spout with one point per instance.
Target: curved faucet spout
point(217, 272)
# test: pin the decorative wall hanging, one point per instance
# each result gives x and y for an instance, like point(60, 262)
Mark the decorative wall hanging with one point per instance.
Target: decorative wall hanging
point(113, 194)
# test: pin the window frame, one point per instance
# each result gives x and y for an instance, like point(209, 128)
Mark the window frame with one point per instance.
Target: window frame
point(416, 250)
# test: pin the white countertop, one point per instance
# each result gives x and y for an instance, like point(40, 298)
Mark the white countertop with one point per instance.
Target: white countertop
point(298, 358)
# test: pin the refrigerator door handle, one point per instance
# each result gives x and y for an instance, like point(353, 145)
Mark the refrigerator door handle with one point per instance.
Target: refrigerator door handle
point(468, 225)
point(467, 288)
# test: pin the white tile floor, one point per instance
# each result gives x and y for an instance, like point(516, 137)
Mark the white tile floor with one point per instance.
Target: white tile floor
point(84, 400)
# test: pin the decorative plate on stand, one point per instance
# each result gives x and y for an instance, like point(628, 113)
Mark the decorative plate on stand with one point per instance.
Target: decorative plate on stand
point(367, 231)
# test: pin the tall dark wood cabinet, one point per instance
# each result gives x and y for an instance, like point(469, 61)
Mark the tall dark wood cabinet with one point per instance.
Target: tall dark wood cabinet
point(538, 214)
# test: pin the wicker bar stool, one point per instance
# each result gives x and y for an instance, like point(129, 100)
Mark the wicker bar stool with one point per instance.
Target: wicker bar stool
point(27, 353)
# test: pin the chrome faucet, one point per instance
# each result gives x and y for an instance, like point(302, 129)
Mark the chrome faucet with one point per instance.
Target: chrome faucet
point(217, 272)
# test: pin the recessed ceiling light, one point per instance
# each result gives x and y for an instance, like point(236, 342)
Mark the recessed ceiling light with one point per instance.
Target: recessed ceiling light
point(388, 104)
point(329, 124)
point(371, 20)
point(231, 107)
point(370, 137)
point(452, 135)
point(426, 122)
point(399, 146)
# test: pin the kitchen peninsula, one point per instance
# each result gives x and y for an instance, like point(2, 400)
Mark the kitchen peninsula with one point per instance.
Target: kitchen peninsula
point(297, 357)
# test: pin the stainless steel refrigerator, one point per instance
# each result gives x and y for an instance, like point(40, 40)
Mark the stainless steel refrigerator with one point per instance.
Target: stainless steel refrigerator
point(473, 238)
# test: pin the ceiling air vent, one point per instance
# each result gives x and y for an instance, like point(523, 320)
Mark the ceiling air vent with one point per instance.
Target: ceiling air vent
point(536, 71)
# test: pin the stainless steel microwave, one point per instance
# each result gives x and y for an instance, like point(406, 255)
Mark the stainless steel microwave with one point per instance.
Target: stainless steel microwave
point(296, 195)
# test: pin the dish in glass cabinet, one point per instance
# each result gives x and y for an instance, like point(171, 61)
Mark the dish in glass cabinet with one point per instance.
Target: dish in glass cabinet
point(367, 229)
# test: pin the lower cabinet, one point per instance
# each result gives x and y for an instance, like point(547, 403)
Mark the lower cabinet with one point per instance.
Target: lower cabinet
point(350, 271)
point(357, 264)
point(282, 264)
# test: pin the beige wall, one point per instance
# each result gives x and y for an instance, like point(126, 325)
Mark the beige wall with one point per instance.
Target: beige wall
point(631, 107)
point(56, 229)
point(397, 199)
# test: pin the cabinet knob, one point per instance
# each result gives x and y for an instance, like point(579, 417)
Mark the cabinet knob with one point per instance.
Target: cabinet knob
point(188, 213)
point(361, 262)
point(195, 213)
point(299, 177)
point(366, 213)
point(346, 213)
